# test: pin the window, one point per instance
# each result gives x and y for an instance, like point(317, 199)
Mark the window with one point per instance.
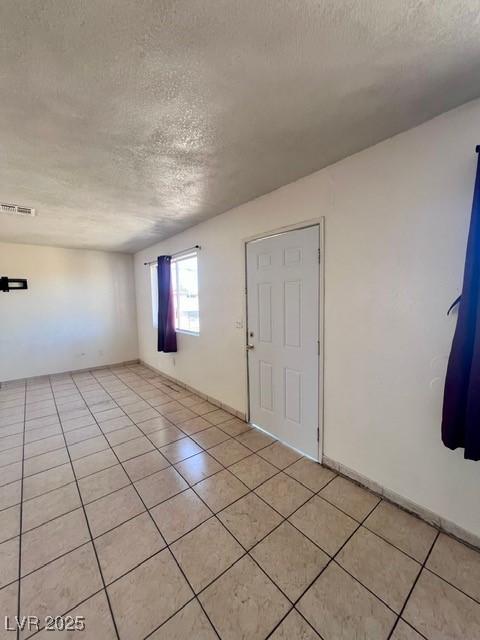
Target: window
point(185, 293)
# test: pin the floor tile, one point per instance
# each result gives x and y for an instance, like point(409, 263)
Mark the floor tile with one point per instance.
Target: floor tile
point(42, 432)
point(198, 468)
point(127, 546)
point(294, 627)
point(61, 585)
point(279, 455)
point(160, 486)
point(218, 416)
point(253, 470)
point(283, 493)
point(189, 623)
point(45, 461)
point(438, 610)
point(10, 456)
point(191, 400)
point(249, 519)
point(99, 407)
point(107, 415)
point(36, 423)
point(69, 415)
point(456, 563)
point(165, 436)
point(229, 452)
point(8, 561)
point(87, 447)
point(103, 482)
point(141, 416)
point(78, 435)
point(154, 424)
point(349, 497)
point(179, 416)
point(14, 429)
point(8, 607)
point(95, 462)
point(205, 553)
point(210, 437)
point(123, 435)
point(311, 474)
point(9, 523)
point(379, 566)
point(179, 450)
point(148, 595)
point(180, 514)
point(324, 524)
point(203, 407)
point(405, 531)
point(235, 427)
point(340, 608)
point(220, 490)
point(53, 539)
point(10, 473)
point(144, 465)
point(110, 511)
point(47, 480)
point(137, 406)
point(243, 603)
point(133, 448)
point(403, 631)
point(50, 505)
point(72, 424)
point(168, 408)
point(194, 425)
point(120, 422)
point(255, 439)
point(11, 441)
point(290, 560)
point(98, 622)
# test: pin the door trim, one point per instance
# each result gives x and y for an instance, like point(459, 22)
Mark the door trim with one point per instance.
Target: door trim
point(320, 223)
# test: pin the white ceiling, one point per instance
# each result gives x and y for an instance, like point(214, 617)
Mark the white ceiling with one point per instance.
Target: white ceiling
point(126, 121)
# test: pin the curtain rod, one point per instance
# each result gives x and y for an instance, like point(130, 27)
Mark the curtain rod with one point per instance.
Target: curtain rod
point(178, 253)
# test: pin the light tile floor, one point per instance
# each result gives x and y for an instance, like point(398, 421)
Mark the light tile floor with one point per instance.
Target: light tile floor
point(147, 510)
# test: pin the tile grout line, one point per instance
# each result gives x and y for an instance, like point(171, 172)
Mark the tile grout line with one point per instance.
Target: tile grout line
point(246, 551)
point(335, 506)
point(21, 521)
point(422, 567)
point(162, 538)
point(172, 465)
point(88, 524)
point(331, 559)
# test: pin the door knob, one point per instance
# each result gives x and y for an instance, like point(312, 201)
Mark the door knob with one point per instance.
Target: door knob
point(250, 347)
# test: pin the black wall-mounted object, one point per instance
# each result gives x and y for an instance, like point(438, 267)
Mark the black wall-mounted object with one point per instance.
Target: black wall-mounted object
point(12, 284)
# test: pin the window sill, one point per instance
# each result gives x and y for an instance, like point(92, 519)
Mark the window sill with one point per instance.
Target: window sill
point(187, 333)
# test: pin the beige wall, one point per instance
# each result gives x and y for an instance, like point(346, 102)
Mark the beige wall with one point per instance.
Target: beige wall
point(396, 222)
point(78, 312)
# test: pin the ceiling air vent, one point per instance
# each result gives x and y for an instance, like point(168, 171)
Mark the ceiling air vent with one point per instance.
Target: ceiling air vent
point(16, 209)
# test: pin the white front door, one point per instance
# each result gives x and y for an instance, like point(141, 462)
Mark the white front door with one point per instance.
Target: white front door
point(283, 336)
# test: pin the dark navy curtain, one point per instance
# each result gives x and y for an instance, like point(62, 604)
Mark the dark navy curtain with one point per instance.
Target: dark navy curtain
point(461, 403)
point(167, 338)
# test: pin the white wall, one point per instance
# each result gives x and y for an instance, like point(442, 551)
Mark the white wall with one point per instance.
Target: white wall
point(396, 228)
point(78, 312)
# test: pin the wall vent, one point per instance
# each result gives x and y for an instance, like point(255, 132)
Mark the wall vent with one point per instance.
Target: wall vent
point(16, 209)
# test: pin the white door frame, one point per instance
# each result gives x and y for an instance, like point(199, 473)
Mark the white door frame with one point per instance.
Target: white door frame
point(320, 222)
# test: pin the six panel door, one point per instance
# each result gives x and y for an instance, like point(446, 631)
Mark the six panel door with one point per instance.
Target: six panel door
point(283, 331)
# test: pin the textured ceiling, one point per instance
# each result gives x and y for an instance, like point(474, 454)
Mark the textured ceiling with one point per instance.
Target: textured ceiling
point(126, 121)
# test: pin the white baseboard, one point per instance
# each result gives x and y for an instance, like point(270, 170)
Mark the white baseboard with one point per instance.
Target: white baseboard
point(404, 503)
point(61, 373)
point(217, 403)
